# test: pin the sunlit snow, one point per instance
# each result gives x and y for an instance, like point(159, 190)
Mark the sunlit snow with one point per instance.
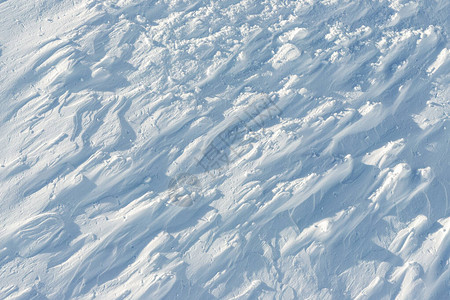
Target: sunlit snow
point(254, 149)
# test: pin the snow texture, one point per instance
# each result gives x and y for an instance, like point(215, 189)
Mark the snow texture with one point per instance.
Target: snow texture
point(253, 149)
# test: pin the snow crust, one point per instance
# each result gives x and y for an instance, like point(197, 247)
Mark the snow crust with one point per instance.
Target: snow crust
point(175, 149)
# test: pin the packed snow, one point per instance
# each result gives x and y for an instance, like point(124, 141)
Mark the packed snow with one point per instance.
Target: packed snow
point(212, 149)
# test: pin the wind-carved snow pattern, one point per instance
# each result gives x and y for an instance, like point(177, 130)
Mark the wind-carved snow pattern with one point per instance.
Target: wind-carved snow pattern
point(224, 149)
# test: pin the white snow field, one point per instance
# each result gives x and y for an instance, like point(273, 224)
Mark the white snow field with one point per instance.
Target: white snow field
point(224, 149)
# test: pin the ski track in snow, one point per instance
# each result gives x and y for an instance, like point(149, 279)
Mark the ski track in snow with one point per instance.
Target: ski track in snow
point(224, 149)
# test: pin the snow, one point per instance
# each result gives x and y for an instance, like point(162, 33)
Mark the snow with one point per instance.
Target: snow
point(177, 149)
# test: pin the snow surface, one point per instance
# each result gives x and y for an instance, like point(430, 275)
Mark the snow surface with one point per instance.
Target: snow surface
point(254, 149)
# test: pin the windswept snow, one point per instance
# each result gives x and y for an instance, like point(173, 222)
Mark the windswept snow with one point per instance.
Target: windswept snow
point(176, 149)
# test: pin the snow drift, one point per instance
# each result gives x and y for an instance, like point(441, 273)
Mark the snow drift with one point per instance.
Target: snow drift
point(224, 149)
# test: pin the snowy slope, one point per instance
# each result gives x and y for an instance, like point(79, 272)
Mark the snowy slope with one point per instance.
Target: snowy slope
point(270, 149)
